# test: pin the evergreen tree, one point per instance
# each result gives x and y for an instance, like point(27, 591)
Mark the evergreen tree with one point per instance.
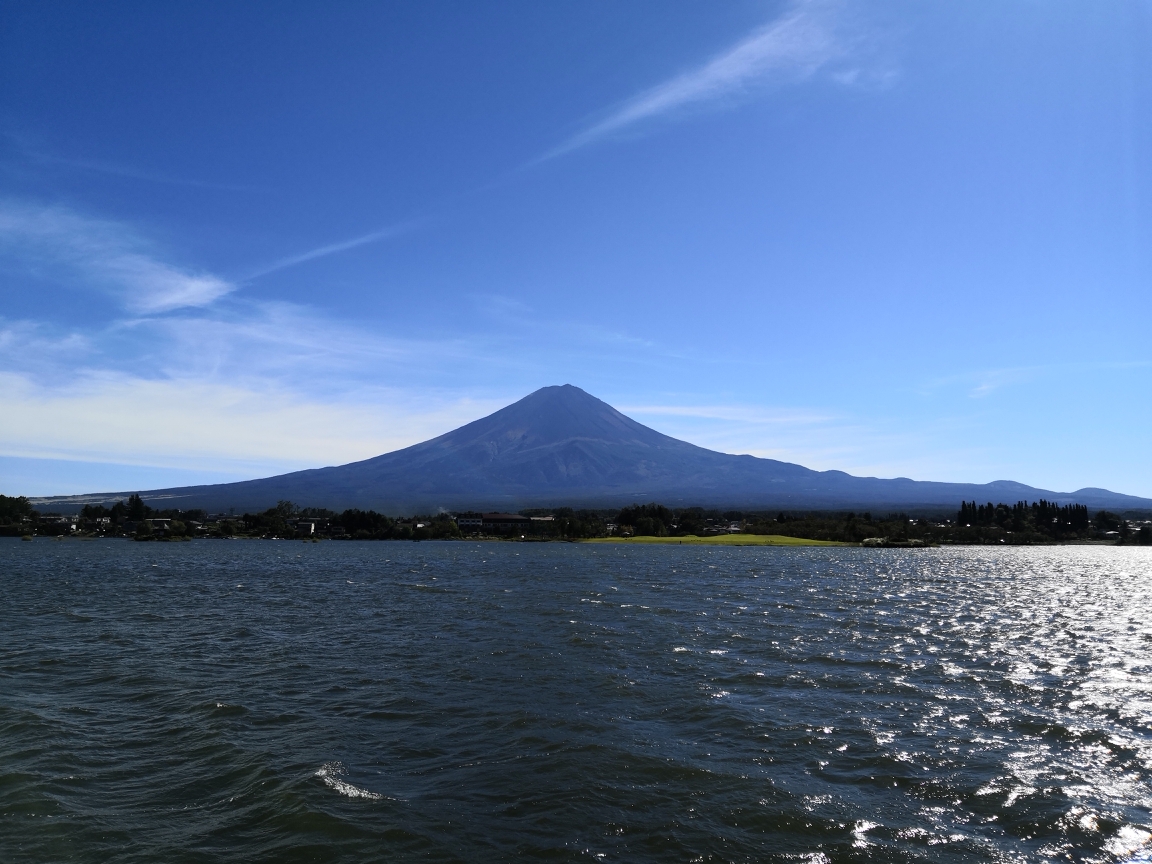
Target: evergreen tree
point(137, 509)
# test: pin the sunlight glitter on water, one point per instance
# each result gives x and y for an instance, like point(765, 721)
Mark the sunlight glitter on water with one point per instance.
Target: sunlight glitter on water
point(330, 773)
point(757, 704)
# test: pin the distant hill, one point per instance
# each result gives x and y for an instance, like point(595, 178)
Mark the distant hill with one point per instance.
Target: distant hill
point(562, 446)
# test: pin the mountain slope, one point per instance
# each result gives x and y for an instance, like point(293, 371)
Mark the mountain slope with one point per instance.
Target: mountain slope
point(561, 446)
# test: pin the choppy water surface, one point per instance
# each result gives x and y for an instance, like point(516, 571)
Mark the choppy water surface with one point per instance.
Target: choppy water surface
point(264, 701)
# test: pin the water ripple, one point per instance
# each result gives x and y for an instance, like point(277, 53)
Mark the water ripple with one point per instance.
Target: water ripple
point(571, 702)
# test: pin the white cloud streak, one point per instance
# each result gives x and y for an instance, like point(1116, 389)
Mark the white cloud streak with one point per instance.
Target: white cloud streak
point(810, 437)
point(334, 248)
point(797, 44)
point(245, 390)
point(133, 173)
point(815, 438)
point(20, 339)
point(285, 342)
point(189, 423)
point(66, 246)
point(731, 413)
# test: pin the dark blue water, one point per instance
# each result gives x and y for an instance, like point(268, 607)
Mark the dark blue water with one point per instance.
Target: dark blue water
point(280, 701)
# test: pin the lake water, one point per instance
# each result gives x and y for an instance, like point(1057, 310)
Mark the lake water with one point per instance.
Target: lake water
point(282, 701)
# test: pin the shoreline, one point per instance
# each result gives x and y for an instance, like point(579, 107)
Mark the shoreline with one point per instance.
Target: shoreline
point(719, 540)
point(723, 541)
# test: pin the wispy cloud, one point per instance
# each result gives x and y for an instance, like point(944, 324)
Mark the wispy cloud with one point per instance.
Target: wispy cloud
point(131, 173)
point(64, 245)
point(277, 341)
point(23, 339)
point(737, 413)
point(797, 44)
point(192, 423)
point(30, 147)
point(244, 388)
point(995, 379)
point(983, 383)
point(334, 248)
point(817, 438)
point(811, 437)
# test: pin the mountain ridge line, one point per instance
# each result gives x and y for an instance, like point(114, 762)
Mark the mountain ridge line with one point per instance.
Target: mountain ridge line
point(561, 446)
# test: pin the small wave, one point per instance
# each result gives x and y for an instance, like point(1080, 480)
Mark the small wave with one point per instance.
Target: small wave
point(1130, 844)
point(860, 831)
point(331, 772)
point(223, 709)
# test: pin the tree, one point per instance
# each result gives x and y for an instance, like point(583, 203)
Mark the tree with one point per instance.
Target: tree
point(137, 509)
point(647, 520)
point(365, 524)
point(1105, 521)
point(14, 509)
point(286, 509)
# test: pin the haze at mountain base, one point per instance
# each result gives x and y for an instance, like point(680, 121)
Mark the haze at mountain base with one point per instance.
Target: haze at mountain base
point(561, 446)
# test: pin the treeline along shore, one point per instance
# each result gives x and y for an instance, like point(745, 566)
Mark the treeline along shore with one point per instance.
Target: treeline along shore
point(1021, 523)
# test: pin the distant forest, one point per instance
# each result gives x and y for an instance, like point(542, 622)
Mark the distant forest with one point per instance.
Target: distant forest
point(1022, 523)
point(1017, 524)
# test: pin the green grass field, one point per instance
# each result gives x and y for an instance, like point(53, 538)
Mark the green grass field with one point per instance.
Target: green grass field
point(721, 540)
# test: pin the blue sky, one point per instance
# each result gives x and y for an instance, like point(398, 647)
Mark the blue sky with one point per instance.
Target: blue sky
point(895, 238)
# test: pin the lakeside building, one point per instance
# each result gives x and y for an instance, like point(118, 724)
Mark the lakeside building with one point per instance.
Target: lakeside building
point(307, 527)
point(497, 523)
point(69, 523)
point(505, 522)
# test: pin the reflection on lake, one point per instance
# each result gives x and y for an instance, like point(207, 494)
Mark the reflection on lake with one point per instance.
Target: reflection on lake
point(283, 701)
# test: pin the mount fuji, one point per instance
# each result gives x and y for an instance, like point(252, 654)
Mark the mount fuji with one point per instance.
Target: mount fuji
point(562, 446)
